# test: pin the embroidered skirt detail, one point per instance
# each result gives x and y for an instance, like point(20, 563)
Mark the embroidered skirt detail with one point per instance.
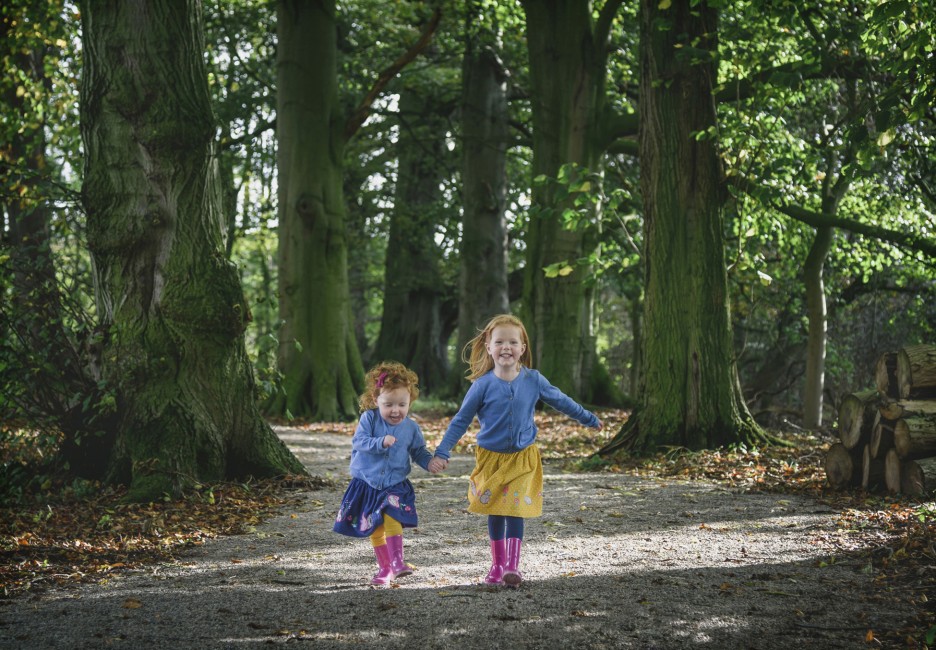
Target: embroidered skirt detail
point(507, 484)
point(363, 507)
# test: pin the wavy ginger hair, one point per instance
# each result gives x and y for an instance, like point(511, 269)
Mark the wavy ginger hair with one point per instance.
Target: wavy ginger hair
point(476, 355)
point(388, 375)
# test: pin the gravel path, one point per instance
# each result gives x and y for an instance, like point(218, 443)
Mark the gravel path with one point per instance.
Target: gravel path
point(615, 562)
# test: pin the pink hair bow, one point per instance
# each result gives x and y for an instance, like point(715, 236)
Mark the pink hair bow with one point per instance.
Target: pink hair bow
point(381, 379)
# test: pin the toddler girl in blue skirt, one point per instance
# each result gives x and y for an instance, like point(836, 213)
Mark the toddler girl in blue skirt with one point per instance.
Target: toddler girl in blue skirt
point(380, 502)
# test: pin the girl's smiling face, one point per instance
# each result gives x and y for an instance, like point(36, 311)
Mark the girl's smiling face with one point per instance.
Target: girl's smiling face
point(506, 346)
point(394, 405)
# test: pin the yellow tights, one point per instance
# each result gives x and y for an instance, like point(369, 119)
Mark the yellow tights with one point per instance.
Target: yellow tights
point(389, 528)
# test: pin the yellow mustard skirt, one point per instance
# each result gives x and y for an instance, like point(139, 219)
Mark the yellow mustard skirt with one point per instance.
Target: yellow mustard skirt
point(507, 484)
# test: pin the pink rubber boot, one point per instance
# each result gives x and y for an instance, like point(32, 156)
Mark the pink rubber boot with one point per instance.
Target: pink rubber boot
point(384, 572)
point(397, 565)
point(512, 577)
point(498, 554)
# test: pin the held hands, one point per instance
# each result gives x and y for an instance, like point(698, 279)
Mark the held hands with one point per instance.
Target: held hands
point(388, 441)
point(437, 464)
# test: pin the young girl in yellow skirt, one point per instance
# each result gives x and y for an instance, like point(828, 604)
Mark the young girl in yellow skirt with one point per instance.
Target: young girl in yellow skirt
point(507, 481)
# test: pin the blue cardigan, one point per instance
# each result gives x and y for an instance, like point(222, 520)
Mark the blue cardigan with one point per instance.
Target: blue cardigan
point(380, 466)
point(505, 411)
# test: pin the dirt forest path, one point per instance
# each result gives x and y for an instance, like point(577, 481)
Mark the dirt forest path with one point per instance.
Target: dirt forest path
point(616, 561)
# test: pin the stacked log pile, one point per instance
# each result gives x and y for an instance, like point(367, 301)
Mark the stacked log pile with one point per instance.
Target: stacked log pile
point(886, 434)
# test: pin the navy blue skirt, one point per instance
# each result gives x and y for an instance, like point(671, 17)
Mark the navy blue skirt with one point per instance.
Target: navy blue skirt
point(363, 507)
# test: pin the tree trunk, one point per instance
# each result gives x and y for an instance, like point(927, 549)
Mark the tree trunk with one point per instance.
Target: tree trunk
point(915, 437)
point(689, 394)
point(318, 355)
point(816, 314)
point(916, 372)
point(170, 303)
point(842, 467)
point(568, 66)
point(482, 286)
point(856, 417)
point(835, 184)
point(411, 328)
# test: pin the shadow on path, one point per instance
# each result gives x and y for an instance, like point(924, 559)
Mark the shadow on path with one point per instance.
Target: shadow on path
point(615, 562)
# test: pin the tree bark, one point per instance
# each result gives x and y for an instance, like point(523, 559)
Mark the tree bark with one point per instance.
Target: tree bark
point(411, 327)
point(894, 410)
point(318, 354)
point(856, 417)
point(170, 304)
point(568, 66)
point(483, 286)
point(916, 372)
point(915, 437)
point(835, 184)
point(689, 393)
point(816, 314)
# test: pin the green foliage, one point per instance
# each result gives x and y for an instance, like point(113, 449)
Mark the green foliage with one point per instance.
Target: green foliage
point(808, 93)
point(822, 117)
point(605, 206)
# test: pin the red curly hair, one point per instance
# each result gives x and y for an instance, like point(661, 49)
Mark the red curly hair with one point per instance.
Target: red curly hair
point(388, 375)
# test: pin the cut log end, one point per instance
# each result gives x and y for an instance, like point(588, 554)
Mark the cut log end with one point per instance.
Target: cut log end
point(912, 479)
point(916, 372)
point(885, 375)
point(842, 471)
point(856, 417)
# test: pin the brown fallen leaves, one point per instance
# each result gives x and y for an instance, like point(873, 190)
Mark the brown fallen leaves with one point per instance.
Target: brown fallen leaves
point(60, 538)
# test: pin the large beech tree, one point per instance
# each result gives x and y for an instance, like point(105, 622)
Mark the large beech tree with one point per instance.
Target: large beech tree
point(412, 328)
point(318, 355)
point(170, 304)
point(568, 67)
point(482, 282)
point(689, 394)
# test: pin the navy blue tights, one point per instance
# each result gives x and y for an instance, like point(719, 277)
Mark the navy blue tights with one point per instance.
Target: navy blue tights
point(501, 526)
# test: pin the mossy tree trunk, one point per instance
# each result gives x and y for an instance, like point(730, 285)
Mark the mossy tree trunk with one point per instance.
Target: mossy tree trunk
point(482, 284)
point(412, 328)
point(568, 66)
point(318, 355)
point(689, 394)
point(169, 302)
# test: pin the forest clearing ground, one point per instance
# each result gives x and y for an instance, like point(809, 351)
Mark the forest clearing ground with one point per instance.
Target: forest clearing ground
point(621, 559)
